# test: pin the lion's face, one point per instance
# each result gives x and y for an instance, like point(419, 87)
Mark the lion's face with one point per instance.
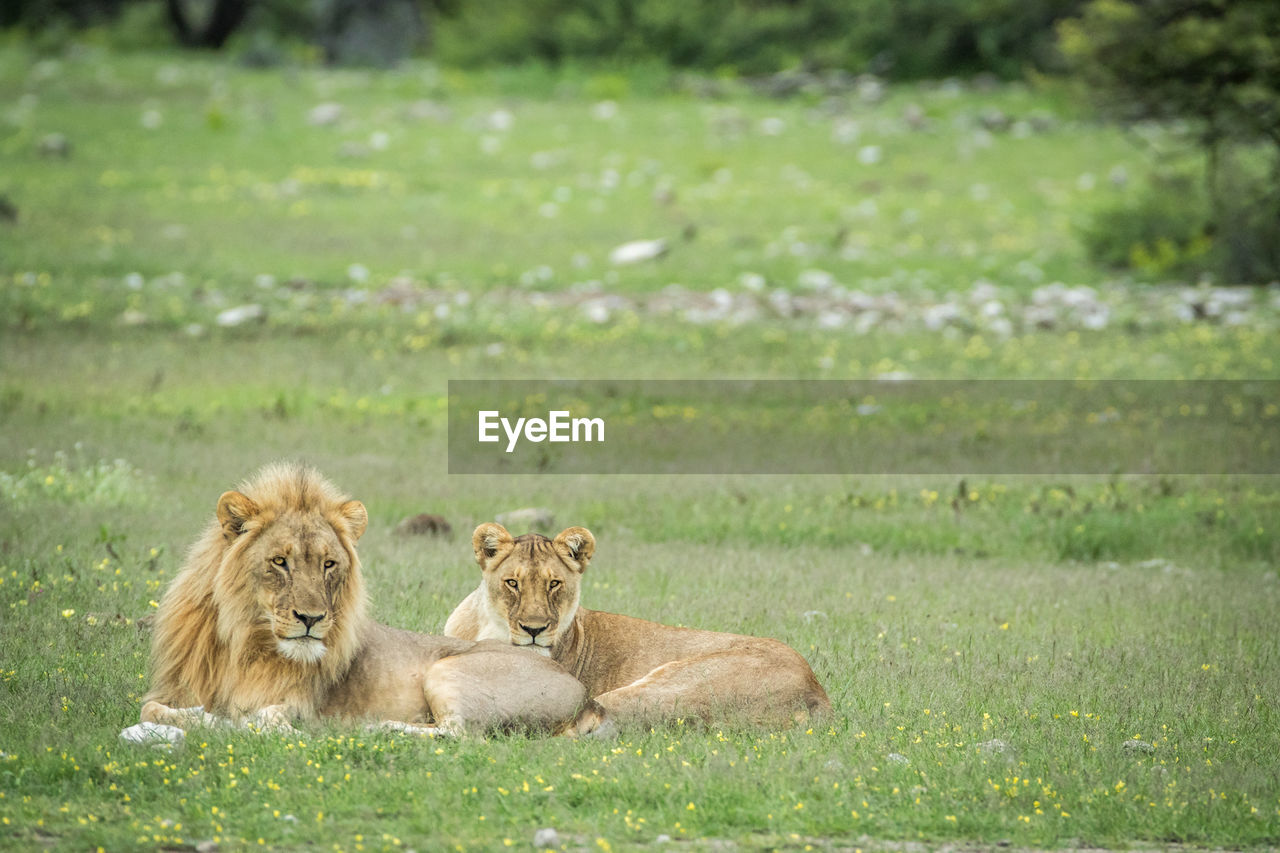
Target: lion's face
point(532, 582)
point(296, 567)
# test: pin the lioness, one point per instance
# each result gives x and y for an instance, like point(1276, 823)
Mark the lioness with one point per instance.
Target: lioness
point(266, 622)
point(639, 671)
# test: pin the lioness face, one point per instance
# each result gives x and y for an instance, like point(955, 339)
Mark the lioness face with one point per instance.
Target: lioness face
point(532, 582)
point(298, 565)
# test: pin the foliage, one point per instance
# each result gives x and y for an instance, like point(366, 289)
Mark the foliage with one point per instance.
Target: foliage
point(38, 15)
point(1215, 67)
point(920, 38)
point(1163, 231)
point(1213, 63)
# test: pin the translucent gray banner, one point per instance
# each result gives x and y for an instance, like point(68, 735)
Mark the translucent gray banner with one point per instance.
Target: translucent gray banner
point(864, 427)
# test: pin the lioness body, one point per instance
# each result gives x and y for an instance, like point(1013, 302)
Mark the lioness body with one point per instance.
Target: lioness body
point(639, 671)
point(267, 621)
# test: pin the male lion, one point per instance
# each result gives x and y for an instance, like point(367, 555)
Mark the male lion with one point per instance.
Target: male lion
point(266, 622)
point(639, 671)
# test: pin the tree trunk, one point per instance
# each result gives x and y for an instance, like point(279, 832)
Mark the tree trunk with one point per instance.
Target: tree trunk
point(226, 17)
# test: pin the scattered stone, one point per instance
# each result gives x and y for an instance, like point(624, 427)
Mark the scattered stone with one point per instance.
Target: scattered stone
point(994, 119)
point(546, 837)
point(424, 524)
point(207, 846)
point(898, 758)
point(324, 114)
point(995, 746)
point(913, 115)
point(427, 110)
point(637, 251)
point(353, 151)
point(811, 615)
point(240, 315)
point(1139, 746)
point(871, 89)
point(662, 839)
point(54, 145)
point(526, 519)
point(154, 734)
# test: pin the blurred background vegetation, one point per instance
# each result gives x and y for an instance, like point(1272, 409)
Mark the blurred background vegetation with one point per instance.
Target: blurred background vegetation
point(1206, 73)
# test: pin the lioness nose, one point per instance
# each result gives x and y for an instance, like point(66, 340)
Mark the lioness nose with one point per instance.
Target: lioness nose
point(309, 619)
point(533, 632)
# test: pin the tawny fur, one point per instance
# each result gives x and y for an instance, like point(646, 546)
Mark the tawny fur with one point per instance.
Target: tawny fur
point(639, 671)
point(230, 634)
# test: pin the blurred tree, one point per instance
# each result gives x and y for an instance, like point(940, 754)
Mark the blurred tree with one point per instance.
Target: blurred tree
point(38, 14)
point(205, 23)
point(1214, 66)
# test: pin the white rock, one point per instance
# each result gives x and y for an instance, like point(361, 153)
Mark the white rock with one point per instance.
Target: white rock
point(546, 837)
point(154, 734)
point(523, 520)
point(816, 279)
point(324, 114)
point(637, 251)
point(898, 758)
point(995, 746)
point(500, 120)
point(240, 315)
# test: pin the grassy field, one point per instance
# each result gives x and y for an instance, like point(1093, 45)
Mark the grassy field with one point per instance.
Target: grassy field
point(1047, 661)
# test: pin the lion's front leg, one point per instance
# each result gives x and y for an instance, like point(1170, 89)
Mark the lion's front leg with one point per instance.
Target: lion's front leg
point(273, 718)
point(183, 718)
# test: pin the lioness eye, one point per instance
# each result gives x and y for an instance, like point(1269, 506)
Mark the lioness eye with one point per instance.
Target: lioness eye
point(511, 582)
point(329, 564)
point(279, 561)
point(553, 584)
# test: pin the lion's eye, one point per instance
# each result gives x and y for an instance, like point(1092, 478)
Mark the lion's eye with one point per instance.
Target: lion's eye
point(511, 582)
point(280, 561)
point(554, 584)
point(329, 564)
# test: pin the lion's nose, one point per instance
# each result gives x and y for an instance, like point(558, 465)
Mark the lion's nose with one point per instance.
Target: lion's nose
point(533, 632)
point(309, 619)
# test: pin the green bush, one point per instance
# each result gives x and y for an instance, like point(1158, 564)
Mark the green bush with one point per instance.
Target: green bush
point(1163, 231)
point(901, 38)
point(1213, 69)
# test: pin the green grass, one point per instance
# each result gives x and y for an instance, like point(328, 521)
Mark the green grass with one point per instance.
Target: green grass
point(1063, 616)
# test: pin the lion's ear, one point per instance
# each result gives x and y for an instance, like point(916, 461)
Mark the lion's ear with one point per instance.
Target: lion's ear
point(234, 509)
point(490, 541)
point(577, 544)
point(356, 517)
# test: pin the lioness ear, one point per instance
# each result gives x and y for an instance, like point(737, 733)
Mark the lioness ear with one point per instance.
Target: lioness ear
point(489, 541)
point(577, 544)
point(234, 509)
point(356, 517)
